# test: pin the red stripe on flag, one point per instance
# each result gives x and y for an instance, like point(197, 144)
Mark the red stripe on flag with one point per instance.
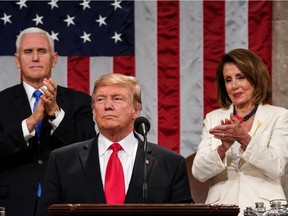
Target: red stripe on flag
point(168, 74)
point(260, 30)
point(124, 65)
point(214, 48)
point(79, 73)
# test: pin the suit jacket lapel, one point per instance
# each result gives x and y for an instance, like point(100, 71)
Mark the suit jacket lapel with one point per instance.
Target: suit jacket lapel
point(22, 105)
point(260, 121)
point(135, 191)
point(90, 163)
point(21, 102)
point(258, 125)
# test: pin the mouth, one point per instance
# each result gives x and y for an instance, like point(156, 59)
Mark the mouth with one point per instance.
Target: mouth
point(237, 95)
point(36, 68)
point(109, 117)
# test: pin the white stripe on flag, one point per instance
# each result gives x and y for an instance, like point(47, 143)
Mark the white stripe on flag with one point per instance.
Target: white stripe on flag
point(236, 23)
point(98, 67)
point(146, 61)
point(59, 73)
point(9, 73)
point(191, 70)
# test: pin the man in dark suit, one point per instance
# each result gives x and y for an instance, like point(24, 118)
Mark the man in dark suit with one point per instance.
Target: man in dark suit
point(65, 116)
point(78, 173)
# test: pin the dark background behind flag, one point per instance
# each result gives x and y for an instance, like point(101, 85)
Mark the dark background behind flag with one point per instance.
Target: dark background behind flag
point(172, 47)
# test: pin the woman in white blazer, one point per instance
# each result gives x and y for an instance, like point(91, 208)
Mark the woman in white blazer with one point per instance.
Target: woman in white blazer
point(244, 147)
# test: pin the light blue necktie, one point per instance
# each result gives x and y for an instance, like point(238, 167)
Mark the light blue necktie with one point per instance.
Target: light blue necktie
point(37, 94)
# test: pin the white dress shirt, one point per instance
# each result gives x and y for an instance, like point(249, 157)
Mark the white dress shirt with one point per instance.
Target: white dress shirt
point(126, 156)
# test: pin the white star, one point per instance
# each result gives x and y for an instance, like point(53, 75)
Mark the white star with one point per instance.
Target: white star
point(85, 37)
point(85, 4)
point(116, 4)
point(38, 19)
point(22, 3)
point(54, 36)
point(6, 18)
point(53, 4)
point(69, 20)
point(116, 37)
point(101, 21)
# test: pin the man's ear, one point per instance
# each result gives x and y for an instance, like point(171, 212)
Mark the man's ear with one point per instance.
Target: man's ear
point(16, 58)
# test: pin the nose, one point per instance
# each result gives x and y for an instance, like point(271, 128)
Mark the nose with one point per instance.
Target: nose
point(108, 104)
point(235, 83)
point(35, 56)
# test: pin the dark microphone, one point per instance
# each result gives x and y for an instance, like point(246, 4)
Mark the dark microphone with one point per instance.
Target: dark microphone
point(142, 126)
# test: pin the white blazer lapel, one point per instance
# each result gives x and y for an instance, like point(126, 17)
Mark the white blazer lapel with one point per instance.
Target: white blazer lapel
point(260, 122)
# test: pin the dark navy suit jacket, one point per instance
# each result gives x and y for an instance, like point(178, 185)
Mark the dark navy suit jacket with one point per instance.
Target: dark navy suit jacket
point(22, 166)
point(73, 176)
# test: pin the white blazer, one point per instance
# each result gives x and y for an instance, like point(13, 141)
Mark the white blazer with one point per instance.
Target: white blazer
point(244, 178)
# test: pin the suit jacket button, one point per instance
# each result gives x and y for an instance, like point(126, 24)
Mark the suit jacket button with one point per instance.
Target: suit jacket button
point(40, 162)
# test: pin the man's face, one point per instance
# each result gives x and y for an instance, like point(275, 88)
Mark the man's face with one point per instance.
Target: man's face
point(35, 58)
point(113, 109)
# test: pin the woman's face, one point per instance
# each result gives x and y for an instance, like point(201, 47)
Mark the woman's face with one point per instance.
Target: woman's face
point(239, 89)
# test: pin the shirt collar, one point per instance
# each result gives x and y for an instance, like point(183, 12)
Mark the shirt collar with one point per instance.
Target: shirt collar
point(29, 90)
point(128, 143)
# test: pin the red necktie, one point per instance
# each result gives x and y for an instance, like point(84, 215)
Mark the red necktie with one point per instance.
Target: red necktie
point(114, 178)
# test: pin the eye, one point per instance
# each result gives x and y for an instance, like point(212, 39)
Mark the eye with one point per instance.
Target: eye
point(117, 99)
point(27, 51)
point(227, 79)
point(100, 100)
point(42, 51)
point(241, 77)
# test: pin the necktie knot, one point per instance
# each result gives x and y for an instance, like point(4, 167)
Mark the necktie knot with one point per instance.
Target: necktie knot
point(37, 94)
point(115, 147)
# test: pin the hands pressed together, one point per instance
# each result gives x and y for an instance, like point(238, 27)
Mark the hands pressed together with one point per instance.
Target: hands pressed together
point(47, 104)
point(49, 97)
point(229, 131)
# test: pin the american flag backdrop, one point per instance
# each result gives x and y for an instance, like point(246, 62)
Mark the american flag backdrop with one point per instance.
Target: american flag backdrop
point(172, 47)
